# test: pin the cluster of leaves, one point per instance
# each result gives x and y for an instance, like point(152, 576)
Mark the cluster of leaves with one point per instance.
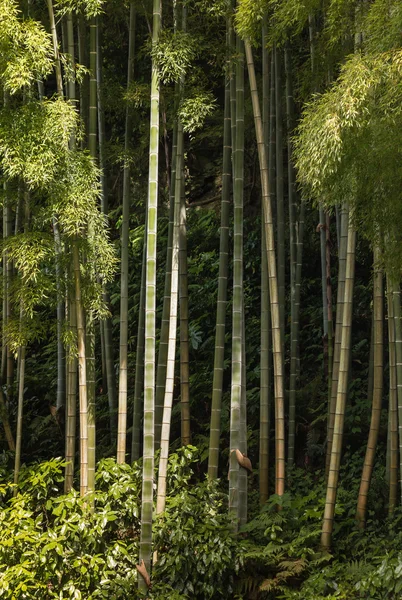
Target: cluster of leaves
point(25, 49)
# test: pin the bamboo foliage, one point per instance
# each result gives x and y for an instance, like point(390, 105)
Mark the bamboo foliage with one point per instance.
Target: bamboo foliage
point(149, 379)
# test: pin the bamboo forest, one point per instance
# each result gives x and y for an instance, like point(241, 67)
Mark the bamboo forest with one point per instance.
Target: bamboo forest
point(200, 299)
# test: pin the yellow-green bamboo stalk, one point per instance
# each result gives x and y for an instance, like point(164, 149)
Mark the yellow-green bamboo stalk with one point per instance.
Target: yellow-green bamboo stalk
point(122, 410)
point(71, 407)
point(149, 380)
point(393, 406)
point(215, 426)
point(273, 283)
point(338, 331)
point(336, 448)
point(378, 310)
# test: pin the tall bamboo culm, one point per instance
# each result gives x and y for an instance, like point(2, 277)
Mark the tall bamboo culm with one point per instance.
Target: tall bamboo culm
point(265, 388)
point(122, 409)
point(150, 301)
point(107, 323)
point(235, 496)
point(345, 353)
point(396, 297)
point(378, 310)
point(174, 301)
point(338, 331)
point(393, 406)
point(90, 325)
point(273, 283)
point(215, 428)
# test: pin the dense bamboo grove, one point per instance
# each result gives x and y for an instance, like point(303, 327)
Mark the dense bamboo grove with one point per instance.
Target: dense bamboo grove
point(201, 249)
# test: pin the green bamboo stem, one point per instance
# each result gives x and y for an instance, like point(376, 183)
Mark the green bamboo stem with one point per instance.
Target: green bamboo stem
point(71, 397)
point(277, 344)
point(338, 331)
point(71, 407)
point(330, 339)
point(215, 426)
point(396, 300)
point(183, 297)
point(84, 86)
point(90, 324)
point(106, 326)
point(164, 334)
point(21, 368)
point(149, 379)
point(139, 366)
point(378, 311)
point(82, 372)
point(184, 334)
point(174, 299)
point(336, 447)
point(265, 387)
point(235, 496)
point(21, 385)
point(280, 199)
point(296, 249)
point(122, 410)
point(393, 407)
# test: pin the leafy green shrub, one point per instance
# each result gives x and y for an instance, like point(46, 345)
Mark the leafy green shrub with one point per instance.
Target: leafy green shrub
point(68, 547)
point(197, 552)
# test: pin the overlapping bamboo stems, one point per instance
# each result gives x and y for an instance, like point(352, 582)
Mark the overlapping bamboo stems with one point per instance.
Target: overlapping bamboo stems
point(6, 315)
point(174, 299)
point(71, 396)
point(393, 406)
point(90, 325)
point(296, 252)
point(122, 408)
point(215, 426)
point(145, 549)
point(273, 283)
point(80, 319)
point(378, 311)
point(71, 404)
point(345, 353)
point(396, 301)
point(164, 333)
point(265, 313)
point(21, 368)
point(338, 331)
point(235, 481)
point(106, 325)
